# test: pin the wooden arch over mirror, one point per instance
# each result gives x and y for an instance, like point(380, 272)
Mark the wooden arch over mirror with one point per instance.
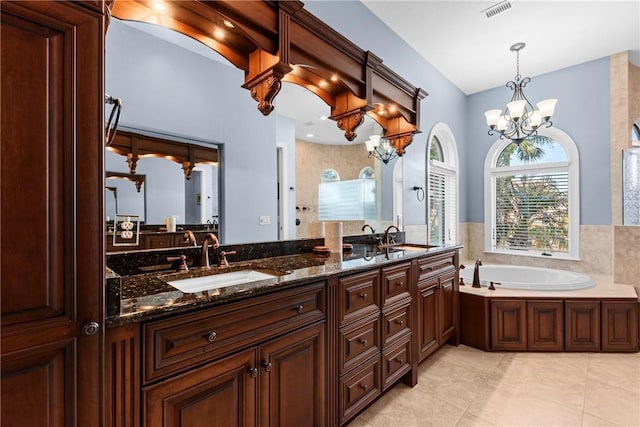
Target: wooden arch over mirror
point(274, 41)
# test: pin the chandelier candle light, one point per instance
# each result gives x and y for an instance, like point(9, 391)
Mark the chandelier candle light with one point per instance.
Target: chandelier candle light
point(380, 148)
point(520, 120)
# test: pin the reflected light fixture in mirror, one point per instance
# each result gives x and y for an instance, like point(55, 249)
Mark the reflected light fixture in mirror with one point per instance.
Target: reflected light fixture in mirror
point(380, 148)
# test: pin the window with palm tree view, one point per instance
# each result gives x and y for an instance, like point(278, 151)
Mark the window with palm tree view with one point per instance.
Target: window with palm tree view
point(533, 205)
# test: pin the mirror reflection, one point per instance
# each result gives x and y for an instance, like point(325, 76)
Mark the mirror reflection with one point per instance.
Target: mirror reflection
point(272, 166)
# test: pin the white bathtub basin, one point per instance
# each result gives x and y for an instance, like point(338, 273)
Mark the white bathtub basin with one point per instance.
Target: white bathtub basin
point(532, 278)
point(221, 280)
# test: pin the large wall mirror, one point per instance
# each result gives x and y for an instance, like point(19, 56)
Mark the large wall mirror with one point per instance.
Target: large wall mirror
point(272, 166)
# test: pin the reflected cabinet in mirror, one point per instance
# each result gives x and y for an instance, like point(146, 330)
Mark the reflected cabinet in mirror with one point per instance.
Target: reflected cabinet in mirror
point(265, 187)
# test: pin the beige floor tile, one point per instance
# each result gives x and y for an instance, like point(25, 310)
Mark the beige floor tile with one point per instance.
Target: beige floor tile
point(619, 370)
point(510, 405)
point(471, 357)
point(591, 421)
point(470, 420)
point(453, 383)
point(615, 404)
point(403, 409)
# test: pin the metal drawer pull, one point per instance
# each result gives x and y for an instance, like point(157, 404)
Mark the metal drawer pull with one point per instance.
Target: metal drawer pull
point(399, 360)
point(364, 387)
point(299, 308)
point(212, 336)
point(400, 322)
point(363, 295)
point(399, 283)
point(90, 328)
point(253, 372)
point(267, 366)
point(363, 341)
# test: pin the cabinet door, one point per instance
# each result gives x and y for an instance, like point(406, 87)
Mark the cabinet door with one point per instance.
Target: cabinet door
point(51, 183)
point(220, 394)
point(292, 379)
point(545, 325)
point(582, 325)
point(428, 320)
point(447, 308)
point(619, 326)
point(508, 325)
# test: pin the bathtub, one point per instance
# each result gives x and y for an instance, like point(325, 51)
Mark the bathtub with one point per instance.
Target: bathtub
point(530, 278)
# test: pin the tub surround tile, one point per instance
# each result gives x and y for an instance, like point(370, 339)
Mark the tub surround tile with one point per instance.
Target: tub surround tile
point(627, 255)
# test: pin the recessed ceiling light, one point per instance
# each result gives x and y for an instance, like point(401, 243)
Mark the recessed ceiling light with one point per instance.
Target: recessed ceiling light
point(228, 23)
point(218, 33)
point(334, 78)
point(159, 6)
point(323, 83)
point(309, 135)
point(323, 117)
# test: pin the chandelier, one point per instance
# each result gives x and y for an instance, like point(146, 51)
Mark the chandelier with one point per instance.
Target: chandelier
point(380, 148)
point(519, 120)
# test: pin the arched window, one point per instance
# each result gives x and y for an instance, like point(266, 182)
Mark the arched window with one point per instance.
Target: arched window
point(532, 196)
point(442, 182)
point(329, 175)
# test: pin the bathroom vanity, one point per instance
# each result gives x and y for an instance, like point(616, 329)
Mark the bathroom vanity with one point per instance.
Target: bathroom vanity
point(314, 344)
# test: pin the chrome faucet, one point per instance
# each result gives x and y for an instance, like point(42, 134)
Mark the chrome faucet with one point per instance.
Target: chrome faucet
point(204, 256)
point(476, 274)
point(391, 241)
point(370, 227)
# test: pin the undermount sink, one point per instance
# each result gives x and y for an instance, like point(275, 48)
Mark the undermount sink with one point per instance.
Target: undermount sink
point(220, 280)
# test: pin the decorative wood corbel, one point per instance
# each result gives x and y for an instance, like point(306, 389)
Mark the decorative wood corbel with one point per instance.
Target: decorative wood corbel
point(132, 161)
point(187, 167)
point(349, 122)
point(264, 79)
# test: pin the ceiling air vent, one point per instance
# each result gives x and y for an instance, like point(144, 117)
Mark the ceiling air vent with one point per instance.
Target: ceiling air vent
point(497, 8)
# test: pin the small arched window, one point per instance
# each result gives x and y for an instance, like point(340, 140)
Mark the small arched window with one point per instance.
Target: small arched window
point(532, 196)
point(442, 182)
point(329, 175)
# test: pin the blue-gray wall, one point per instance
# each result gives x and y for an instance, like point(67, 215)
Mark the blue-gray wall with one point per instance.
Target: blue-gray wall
point(582, 112)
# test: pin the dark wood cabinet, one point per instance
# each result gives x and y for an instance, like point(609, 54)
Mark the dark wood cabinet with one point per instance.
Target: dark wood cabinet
point(52, 261)
point(509, 325)
point(438, 302)
point(582, 325)
point(224, 393)
point(619, 326)
point(292, 379)
point(545, 325)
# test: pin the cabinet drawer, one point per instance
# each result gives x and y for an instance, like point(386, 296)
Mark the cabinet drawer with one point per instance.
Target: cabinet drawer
point(178, 343)
point(359, 342)
point(396, 322)
point(359, 296)
point(358, 389)
point(436, 264)
point(395, 283)
point(396, 361)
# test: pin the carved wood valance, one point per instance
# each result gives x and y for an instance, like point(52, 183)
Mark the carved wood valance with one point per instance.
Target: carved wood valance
point(275, 41)
point(135, 145)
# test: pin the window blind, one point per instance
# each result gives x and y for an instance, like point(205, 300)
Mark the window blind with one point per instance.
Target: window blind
point(442, 206)
point(532, 212)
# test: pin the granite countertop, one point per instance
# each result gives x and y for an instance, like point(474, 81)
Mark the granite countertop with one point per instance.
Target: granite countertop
point(148, 296)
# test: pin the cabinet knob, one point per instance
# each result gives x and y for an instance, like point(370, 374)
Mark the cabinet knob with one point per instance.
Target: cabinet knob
point(253, 372)
point(399, 360)
point(90, 328)
point(211, 337)
point(363, 341)
point(364, 387)
point(399, 283)
point(299, 308)
point(363, 295)
point(267, 366)
point(400, 322)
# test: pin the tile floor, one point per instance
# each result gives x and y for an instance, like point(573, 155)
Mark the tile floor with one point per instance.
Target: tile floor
point(462, 386)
